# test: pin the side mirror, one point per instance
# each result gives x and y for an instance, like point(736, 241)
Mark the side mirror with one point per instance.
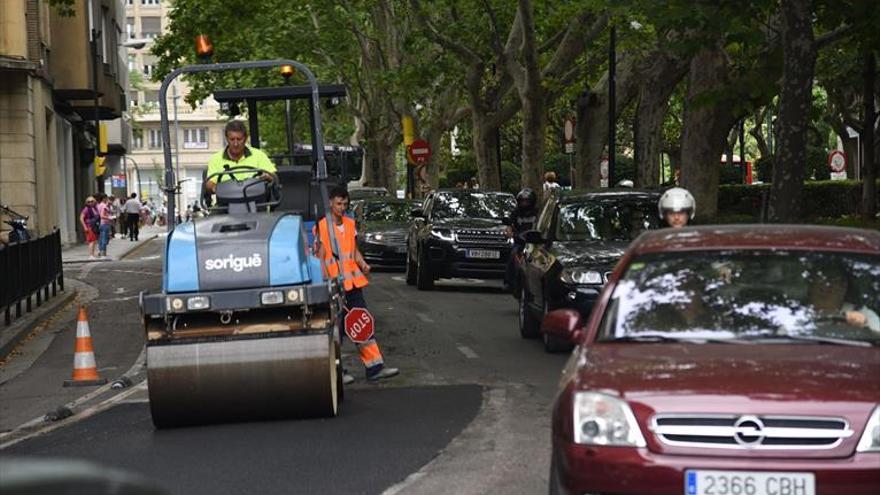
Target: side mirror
point(533, 237)
point(564, 324)
point(416, 213)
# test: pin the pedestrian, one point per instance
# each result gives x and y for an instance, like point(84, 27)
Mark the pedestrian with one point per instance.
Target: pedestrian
point(90, 221)
point(550, 184)
point(115, 209)
point(354, 272)
point(677, 207)
point(132, 209)
point(106, 224)
point(521, 220)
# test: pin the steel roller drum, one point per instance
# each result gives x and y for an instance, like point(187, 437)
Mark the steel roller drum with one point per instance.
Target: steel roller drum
point(255, 378)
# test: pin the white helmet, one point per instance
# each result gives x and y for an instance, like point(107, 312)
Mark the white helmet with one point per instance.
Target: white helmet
point(677, 199)
point(625, 183)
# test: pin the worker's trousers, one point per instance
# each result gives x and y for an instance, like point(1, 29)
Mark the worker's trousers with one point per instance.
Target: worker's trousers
point(369, 350)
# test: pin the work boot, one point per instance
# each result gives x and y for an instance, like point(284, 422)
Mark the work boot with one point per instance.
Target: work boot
point(382, 374)
point(346, 378)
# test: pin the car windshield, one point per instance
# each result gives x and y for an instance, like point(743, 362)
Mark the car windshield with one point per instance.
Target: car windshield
point(494, 206)
point(387, 212)
point(606, 220)
point(747, 296)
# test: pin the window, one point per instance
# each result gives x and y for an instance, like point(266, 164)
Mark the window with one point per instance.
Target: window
point(195, 138)
point(129, 28)
point(150, 2)
point(151, 27)
point(149, 65)
point(155, 138)
point(131, 63)
point(137, 139)
point(151, 96)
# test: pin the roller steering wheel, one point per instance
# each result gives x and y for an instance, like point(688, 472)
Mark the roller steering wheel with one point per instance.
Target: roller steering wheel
point(238, 169)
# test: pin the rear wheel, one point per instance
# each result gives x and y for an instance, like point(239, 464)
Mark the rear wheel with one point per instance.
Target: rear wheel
point(424, 277)
point(340, 388)
point(410, 270)
point(528, 326)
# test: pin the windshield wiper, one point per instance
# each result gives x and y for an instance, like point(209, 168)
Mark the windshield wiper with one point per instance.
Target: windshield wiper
point(811, 338)
point(652, 337)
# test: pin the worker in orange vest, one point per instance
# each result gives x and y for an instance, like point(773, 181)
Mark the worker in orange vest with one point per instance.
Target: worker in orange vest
point(354, 276)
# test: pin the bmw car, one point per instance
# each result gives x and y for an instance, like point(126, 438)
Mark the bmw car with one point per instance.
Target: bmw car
point(459, 233)
point(579, 238)
point(382, 224)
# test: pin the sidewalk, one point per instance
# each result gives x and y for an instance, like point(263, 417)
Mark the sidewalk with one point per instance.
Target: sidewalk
point(116, 250)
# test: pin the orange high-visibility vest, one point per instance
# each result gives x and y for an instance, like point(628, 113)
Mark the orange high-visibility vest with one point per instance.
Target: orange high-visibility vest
point(352, 276)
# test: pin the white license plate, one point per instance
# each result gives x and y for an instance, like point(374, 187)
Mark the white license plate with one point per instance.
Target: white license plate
point(699, 482)
point(484, 254)
point(400, 249)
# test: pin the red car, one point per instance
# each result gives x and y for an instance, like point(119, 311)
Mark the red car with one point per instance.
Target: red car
point(726, 360)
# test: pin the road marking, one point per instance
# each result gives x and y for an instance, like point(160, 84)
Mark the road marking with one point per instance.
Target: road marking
point(154, 257)
point(117, 299)
point(119, 290)
point(425, 318)
point(468, 352)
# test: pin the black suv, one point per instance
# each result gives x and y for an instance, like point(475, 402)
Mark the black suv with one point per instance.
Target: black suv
point(458, 233)
point(579, 238)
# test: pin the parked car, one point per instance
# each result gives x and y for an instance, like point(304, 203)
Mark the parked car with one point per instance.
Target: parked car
point(579, 238)
point(726, 360)
point(359, 193)
point(382, 223)
point(458, 233)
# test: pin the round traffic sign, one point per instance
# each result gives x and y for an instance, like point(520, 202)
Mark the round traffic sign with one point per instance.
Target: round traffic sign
point(419, 151)
point(359, 325)
point(568, 129)
point(837, 161)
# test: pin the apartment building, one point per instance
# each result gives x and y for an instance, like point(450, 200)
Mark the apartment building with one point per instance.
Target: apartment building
point(199, 131)
point(60, 75)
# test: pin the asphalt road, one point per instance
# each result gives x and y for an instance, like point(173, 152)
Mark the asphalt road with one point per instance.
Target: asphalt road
point(470, 412)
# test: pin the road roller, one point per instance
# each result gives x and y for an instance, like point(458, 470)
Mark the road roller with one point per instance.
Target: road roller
point(245, 326)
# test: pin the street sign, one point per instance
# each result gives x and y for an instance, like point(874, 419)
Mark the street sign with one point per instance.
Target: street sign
point(419, 152)
point(568, 132)
point(118, 181)
point(603, 172)
point(359, 325)
point(837, 161)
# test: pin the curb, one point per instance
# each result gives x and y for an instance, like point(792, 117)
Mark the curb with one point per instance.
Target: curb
point(122, 255)
point(23, 327)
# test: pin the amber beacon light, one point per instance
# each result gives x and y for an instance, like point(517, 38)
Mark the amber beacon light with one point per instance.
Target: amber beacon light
point(204, 48)
point(287, 71)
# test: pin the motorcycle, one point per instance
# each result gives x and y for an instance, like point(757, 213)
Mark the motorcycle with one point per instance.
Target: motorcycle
point(18, 222)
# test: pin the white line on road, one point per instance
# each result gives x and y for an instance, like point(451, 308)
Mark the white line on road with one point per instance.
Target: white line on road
point(468, 352)
point(425, 318)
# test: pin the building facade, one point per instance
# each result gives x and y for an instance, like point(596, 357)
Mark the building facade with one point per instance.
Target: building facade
point(60, 75)
point(198, 132)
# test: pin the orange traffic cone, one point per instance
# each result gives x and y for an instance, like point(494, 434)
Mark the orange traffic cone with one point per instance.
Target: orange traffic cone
point(85, 371)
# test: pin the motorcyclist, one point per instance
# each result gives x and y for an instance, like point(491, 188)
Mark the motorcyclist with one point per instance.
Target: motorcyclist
point(677, 207)
point(522, 219)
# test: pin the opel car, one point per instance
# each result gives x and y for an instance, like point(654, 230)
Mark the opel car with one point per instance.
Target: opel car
point(726, 360)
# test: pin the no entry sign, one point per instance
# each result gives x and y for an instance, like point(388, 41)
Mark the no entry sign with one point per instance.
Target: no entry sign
point(359, 325)
point(419, 152)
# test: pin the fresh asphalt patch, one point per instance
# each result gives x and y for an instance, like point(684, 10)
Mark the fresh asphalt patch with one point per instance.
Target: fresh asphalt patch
point(380, 436)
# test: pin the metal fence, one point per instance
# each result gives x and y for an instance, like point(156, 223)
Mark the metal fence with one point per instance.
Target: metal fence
point(29, 271)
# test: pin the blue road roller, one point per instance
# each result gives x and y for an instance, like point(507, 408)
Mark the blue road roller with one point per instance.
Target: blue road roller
point(245, 327)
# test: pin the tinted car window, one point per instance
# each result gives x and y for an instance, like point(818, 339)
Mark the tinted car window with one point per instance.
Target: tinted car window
point(605, 220)
point(473, 205)
point(747, 295)
point(387, 212)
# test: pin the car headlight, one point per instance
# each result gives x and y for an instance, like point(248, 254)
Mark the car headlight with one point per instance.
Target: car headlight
point(578, 277)
point(272, 297)
point(870, 441)
point(601, 419)
point(198, 302)
point(443, 234)
point(374, 237)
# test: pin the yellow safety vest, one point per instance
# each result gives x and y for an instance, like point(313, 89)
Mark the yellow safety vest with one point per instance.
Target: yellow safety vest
point(352, 276)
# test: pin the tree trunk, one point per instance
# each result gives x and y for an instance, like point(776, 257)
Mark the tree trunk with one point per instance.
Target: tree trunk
point(380, 145)
point(534, 129)
point(485, 139)
point(795, 105)
point(705, 129)
point(657, 84)
point(757, 132)
point(869, 165)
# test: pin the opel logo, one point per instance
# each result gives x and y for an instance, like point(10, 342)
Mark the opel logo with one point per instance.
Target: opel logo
point(748, 431)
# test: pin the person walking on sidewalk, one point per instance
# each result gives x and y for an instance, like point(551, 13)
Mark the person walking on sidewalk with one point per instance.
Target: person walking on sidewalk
point(354, 275)
point(90, 221)
point(106, 225)
point(132, 210)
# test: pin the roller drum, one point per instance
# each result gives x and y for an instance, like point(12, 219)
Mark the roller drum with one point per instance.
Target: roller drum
point(255, 378)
